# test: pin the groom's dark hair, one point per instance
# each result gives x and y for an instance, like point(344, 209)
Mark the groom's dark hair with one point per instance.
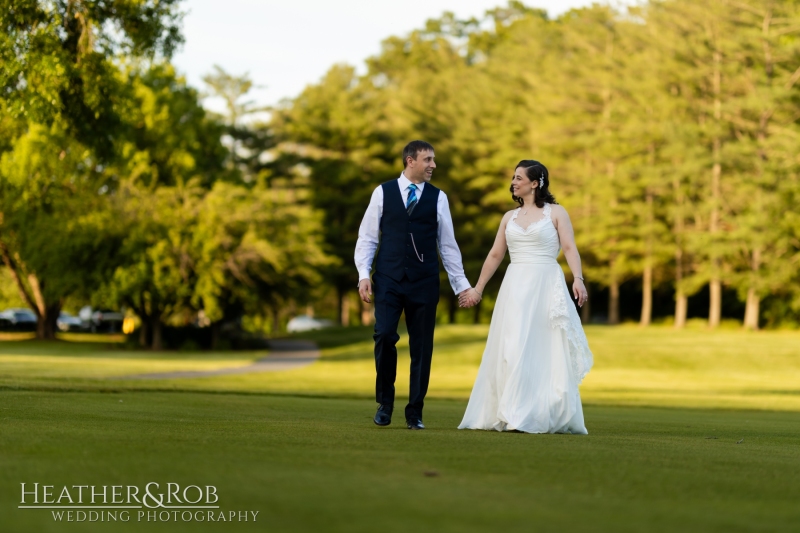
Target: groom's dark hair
point(413, 148)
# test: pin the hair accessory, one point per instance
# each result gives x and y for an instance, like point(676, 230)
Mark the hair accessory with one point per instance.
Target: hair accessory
point(541, 180)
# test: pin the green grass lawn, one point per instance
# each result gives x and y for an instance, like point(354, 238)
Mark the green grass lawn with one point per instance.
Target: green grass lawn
point(299, 446)
point(314, 464)
point(655, 366)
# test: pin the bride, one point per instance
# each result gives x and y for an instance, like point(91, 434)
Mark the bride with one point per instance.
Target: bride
point(536, 353)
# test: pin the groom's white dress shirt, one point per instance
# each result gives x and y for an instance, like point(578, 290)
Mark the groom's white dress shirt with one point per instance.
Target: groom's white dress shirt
point(370, 230)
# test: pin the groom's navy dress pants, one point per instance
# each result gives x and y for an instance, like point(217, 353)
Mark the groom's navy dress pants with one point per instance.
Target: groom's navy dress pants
point(419, 300)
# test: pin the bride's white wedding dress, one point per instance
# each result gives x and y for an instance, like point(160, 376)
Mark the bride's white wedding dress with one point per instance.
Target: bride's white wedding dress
point(536, 353)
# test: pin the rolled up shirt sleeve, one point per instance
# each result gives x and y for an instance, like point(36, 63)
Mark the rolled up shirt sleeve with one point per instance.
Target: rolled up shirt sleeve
point(448, 247)
point(369, 234)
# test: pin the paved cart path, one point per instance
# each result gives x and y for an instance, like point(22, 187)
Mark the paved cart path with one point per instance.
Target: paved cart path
point(284, 355)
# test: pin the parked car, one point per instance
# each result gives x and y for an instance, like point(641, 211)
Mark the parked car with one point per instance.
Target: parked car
point(5, 324)
point(106, 321)
point(307, 323)
point(20, 319)
point(68, 322)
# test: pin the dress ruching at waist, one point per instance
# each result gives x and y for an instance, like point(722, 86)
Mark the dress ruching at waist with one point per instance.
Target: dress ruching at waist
point(534, 260)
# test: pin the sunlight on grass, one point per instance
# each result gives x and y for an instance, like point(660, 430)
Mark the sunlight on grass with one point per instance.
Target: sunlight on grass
point(100, 338)
point(656, 366)
point(16, 335)
point(107, 338)
point(89, 365)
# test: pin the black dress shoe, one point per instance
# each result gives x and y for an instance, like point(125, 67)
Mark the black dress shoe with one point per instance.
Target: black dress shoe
point(415, 424)
point(384, 416)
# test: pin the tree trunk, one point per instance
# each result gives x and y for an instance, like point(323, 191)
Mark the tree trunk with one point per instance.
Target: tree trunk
point(715, 285)
point(751, 310)
point(215, 327)
point(647, 296)
point(143, 330)
point(367, 314)
point(681, 300)
point(647, 275)
point(681, 308)
point(613, 302)
point(12, 269)
point(46, 326)
point(276, 320)
point(158, 342)
point(46, 314)
point(715, 307)
point(453, 307)
point(344, 307)
point(586, 310)
point(476, 317)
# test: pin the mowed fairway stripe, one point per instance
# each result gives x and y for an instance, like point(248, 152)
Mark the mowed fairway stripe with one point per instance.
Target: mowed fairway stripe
point(311, 464)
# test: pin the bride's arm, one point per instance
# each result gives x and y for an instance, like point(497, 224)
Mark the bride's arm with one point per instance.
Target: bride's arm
point(567, 237)
point(496, 255)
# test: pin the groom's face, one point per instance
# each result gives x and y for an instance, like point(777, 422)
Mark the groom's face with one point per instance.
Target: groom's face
point(421, 168)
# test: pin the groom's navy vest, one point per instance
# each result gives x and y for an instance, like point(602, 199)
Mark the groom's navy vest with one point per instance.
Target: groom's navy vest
point(401, 233)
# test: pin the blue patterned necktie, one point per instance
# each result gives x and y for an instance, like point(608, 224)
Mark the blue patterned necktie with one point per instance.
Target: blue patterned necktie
point(412, 198)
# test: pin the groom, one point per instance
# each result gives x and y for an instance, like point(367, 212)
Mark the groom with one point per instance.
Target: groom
point(410, 219)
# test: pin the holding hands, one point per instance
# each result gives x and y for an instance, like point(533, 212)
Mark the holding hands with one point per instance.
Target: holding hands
point(469, 298)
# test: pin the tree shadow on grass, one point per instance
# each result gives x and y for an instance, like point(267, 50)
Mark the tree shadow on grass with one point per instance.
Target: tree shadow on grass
point(55, 347)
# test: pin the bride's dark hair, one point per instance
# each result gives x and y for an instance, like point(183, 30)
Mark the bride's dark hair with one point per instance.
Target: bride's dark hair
point(535, 170)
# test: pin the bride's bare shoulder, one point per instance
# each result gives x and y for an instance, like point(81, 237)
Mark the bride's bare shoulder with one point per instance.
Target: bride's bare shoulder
point(558, 210)
point(506, 217)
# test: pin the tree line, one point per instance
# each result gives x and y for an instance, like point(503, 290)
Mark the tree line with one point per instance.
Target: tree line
point(117, 188)
point(670, 131)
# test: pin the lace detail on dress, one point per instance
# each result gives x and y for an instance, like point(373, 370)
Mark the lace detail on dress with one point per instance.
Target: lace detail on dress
point(545, 218)
point(564, 316)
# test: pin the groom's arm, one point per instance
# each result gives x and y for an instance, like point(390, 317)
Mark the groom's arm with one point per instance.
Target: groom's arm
point(369, 237)
point(448, 247)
